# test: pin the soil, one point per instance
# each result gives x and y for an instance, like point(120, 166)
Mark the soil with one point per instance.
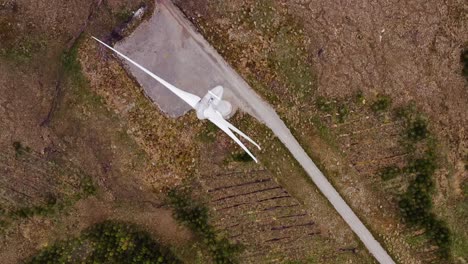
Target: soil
point(275, 221)
point(107, 130)
point(293, 52)
point(256, 228)
point(82, 138)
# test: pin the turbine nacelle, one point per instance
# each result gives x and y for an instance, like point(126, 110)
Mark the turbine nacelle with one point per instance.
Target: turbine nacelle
point(213, 98)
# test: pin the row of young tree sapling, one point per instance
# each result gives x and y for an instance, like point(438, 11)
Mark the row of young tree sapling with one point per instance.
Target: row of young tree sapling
point(415, 203)
point(195, 215)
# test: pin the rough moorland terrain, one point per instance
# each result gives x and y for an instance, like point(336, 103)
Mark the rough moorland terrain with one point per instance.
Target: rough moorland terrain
point(82, 144)
point(67, 161)
point(375, 92)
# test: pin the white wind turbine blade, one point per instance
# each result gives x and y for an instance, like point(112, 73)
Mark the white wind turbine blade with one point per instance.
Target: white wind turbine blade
point(235, 129)
point(189, 98)
point(224, 125)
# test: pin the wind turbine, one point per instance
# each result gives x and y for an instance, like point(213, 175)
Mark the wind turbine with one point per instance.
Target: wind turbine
point(210, 107)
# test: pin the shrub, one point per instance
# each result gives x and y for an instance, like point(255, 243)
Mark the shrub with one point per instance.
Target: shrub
point(416, 203)
point(464, 61)
point(48, 208)
point(416, 210)
point(406, 112)
point(464, 187)
point(87, 186)
point(20, 149)
point(359, 97)
point(124, 16)
point(324, 105)
point(382, 103)
point(440, 234)
point(195, 216)
point(190, 212)
point(332, 106)
point(343, 112)
point(426, 165)
point(242, 157)
point(417, 129)
point(389, 172)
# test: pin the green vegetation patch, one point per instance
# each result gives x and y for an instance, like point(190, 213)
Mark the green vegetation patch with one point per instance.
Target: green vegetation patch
point(359, 98)
point(382, 103)
point(284, 61)
point(460, 236)
point(389, 172)
point(417, 130)
point(263, 15)
point(208, 133)
point(107, 242)
point(464, 62)
point(16, 45)
point(195, 215)
point(72, 185)
point(77, 84)
point(338, 108)
point(71, 65)
point(54, 204)
point(23, 51)
point(415, 203)
point(20, 149)
point(241, 157)
point(48, 208)
point(325, 105)
point(124, 15)
point(342, 113)
point(289, 58)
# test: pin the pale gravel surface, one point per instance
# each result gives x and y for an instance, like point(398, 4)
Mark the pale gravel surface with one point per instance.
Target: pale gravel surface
point(256, 106)
point(169, 52)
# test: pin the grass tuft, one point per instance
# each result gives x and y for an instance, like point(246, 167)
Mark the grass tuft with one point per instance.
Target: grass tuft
point(417, 130)
point(20, 149)
point(389, 172)
point(382, 104)
point(324, 105)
